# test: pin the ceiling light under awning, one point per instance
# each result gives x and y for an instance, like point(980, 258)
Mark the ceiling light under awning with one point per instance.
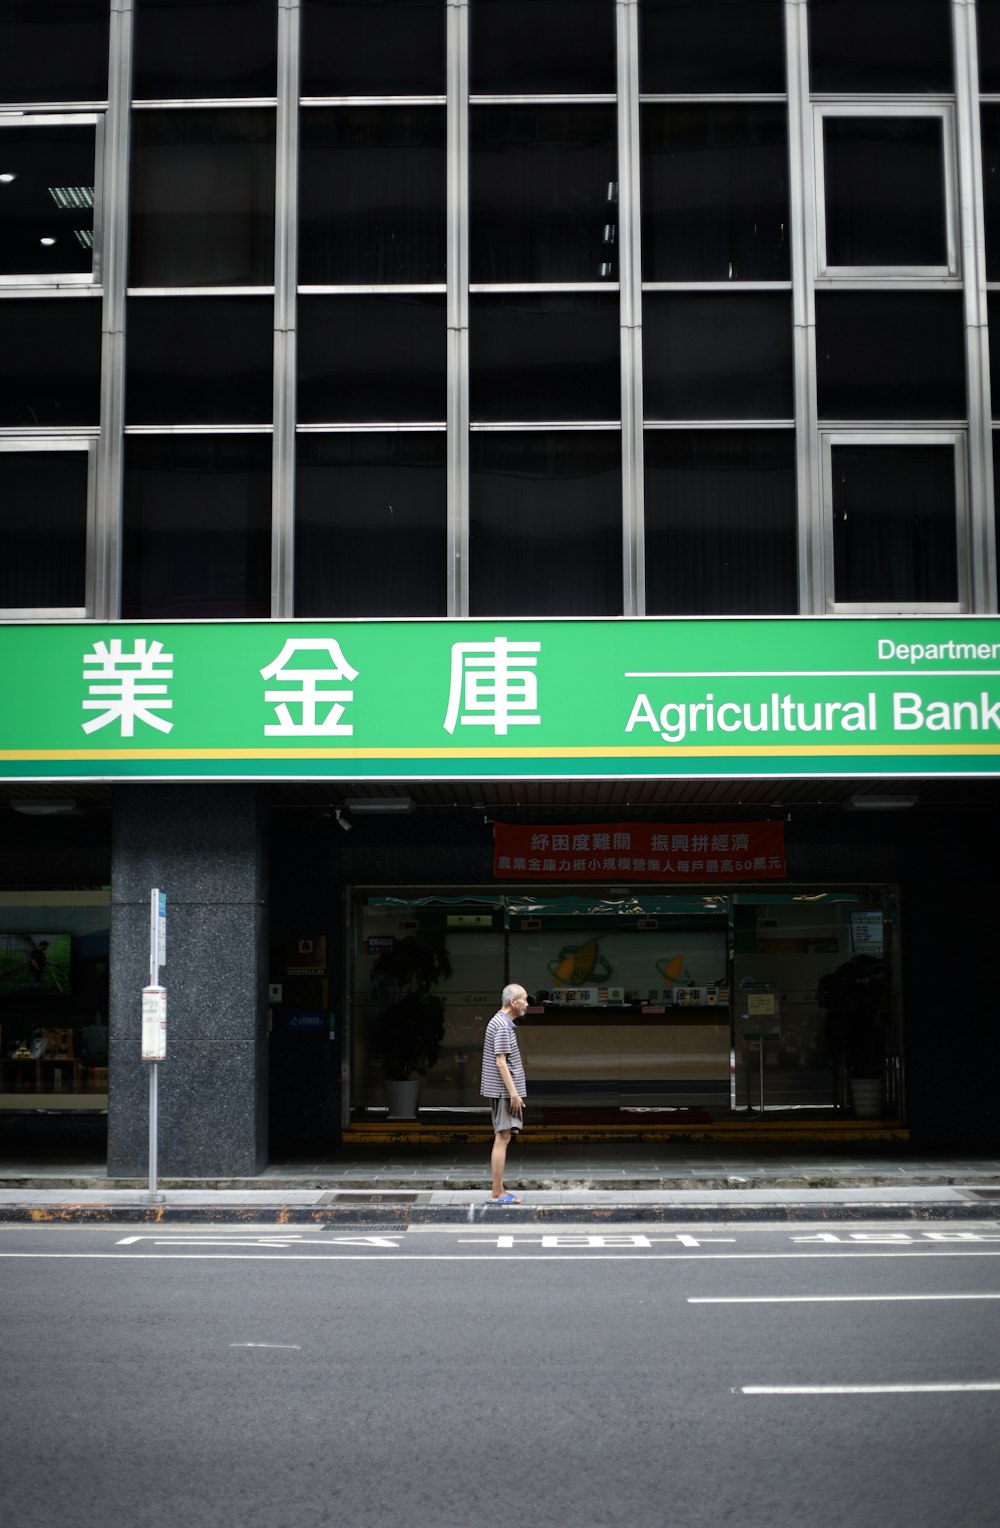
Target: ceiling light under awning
point(381, 804)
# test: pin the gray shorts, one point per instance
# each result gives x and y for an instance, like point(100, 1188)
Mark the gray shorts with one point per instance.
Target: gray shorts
point(503, 1119)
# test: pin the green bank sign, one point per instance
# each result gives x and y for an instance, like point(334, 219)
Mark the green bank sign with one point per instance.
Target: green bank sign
point(500, 700)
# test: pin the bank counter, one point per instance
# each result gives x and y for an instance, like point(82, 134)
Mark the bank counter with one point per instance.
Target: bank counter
point(639, 1054)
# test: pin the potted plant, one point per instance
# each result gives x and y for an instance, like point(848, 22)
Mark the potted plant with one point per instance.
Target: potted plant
point(406, 1034)
point(855, 998)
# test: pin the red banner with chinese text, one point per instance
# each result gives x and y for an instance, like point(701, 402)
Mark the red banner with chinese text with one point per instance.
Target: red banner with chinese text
point(642, 851)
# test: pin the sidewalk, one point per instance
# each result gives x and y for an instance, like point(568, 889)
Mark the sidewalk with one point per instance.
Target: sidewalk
point(580, 1182)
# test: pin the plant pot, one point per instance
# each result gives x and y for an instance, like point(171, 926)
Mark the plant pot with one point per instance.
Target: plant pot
point(867, 1095)
point(402, 1099)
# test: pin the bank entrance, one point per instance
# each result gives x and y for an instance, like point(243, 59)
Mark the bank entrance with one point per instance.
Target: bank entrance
point(691, 1007)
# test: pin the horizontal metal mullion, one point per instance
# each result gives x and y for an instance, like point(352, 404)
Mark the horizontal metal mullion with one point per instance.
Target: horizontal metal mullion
point(551, 99)
point(716, 286)
point(55, 113)
point(201, 291)
point(917, 279)
point(62, 286)
point(199, 429)
point(374, 100)
point(500, 287)
point(375, 427)
point(726, 98)
point(16, 438)
point(481, 426)
point(191, 103)
point(375, 289)
point(718, 424)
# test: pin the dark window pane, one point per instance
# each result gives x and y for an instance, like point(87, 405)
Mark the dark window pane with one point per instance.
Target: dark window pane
point(993, 310)
point(709, 355)
point(54, 50)
point(543, 358)
point(880, 45)
point(197, 527)
point(371, 519)
point(372, 195)
point(991, 188)
point(715, 193)
point(720, 522)
point(213, 48)
point(894, 524)
point(203, 197)
point(888, 355)
point(199, 360)
point(885, 191)
point(711, 45)
point(988, 21)
point(373, 47)
point(559, 47)
point(51, 371)
point(545, 524)
point(372, 360)
point(43, 529)
point(47, 199)
point(543, 193)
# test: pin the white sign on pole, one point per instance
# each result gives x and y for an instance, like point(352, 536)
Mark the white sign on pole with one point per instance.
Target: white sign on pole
point(157, 935)
point(154, 1023)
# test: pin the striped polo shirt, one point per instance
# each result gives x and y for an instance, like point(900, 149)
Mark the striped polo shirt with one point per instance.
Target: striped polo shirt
point(501, 1040)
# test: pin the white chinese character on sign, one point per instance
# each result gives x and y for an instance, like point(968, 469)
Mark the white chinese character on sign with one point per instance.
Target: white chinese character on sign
point(126, 685)
point(308, 686)
point(493, 684)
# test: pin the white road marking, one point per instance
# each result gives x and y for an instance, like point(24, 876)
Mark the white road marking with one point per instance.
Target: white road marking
point(290, 1346)
point(932, 1389)
point(262, 1241)
point(824, 1299)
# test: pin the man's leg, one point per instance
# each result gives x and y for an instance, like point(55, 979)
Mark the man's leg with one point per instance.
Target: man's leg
point(498, 1160)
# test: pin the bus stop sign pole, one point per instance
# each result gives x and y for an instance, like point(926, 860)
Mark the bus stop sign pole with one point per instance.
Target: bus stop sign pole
point(154, 1026)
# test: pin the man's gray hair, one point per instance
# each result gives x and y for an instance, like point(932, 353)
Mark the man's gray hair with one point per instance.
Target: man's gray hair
point(512, 989)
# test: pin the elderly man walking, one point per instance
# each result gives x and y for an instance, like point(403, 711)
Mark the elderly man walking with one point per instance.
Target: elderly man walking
point(503, 1083)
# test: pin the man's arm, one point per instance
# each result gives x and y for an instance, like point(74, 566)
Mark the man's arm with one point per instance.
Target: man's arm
point(516, 1102)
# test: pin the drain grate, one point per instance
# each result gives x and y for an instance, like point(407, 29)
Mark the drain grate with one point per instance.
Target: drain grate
point(363, 1197)
point(345, 1227)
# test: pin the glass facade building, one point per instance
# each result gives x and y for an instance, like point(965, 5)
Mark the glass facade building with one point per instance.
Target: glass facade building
point(691, 304)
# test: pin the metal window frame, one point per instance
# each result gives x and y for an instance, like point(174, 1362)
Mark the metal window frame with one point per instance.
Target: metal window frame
point(878, 108)
point(21, 444)
point(957, 439)
point(24, 285)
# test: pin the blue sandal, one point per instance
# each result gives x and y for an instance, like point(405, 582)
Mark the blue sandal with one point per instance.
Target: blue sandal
point(506, 1199)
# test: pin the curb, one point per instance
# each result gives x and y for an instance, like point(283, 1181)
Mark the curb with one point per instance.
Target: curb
point(401, 1216)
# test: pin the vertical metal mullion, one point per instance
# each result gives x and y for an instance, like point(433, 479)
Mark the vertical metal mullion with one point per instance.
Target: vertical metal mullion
point(458, 307)
point(630, 287)
point(285, 313)
point(802, 193)
point(980, 553)
point(105, 593)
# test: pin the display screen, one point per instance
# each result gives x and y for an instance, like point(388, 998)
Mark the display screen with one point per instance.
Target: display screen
point(35, 963)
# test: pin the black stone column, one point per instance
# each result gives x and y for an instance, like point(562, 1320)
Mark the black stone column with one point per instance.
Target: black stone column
point(203, 845)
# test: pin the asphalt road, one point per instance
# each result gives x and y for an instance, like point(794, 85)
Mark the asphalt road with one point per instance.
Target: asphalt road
point(764, 1375)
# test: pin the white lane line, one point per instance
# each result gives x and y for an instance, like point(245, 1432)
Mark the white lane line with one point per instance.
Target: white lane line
point(942, 1389)
point(582, 1255)
point(824, 1299)
point(290, 1346)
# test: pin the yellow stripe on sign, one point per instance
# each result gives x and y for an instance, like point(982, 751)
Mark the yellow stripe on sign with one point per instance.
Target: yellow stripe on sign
point(790, 750)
